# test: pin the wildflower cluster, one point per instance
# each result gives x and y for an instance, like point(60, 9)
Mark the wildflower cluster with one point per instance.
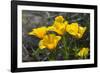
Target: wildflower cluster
point(62, 28)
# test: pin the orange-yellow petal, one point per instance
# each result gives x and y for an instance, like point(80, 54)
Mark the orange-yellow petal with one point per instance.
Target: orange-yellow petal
point(49, 41)
point(39, 32)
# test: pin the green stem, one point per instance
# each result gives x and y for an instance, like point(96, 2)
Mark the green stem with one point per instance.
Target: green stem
point(64, 39)
point(75, 44)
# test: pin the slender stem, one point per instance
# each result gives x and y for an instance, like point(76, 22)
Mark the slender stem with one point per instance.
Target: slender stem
point(75, 43)
point(64, 39)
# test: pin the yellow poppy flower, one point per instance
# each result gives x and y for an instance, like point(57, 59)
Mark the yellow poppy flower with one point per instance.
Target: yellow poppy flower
point(59, 19)
point(83, 53)
point(59, 28)
point(75, 30)
point(49, 41)
point(72, 29)
point(39, 32)
point(81, 31)
point(59, 25)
